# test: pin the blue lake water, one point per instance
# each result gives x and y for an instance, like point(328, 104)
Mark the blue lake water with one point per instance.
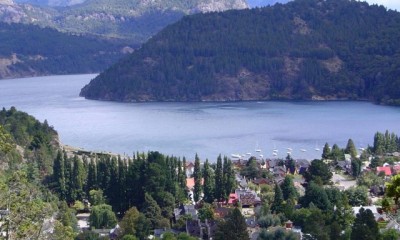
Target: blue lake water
point(183, 129)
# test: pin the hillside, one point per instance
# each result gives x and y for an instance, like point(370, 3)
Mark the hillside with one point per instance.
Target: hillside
point(130, 19)
point(28, 50)
point(334, 49)
point(263, 3)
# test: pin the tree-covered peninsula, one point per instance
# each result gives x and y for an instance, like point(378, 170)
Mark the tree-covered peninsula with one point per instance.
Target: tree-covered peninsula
point(29, 50)
point(305, 49)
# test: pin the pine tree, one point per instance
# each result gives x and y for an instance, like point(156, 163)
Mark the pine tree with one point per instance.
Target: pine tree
point(326, 152)
point(59, 175)
point(92, 176)
point(197, 179)
point(151, 210)
point(351, 149)
point(208, 183)
point(233, 228)
point(278, 200)
point(219, 180)
point(78, 178)
point(288, 189)
point(229, 178)
point(365, 227)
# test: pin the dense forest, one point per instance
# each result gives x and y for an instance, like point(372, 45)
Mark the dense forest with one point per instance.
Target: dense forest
point(334, 49)
point(27, 50)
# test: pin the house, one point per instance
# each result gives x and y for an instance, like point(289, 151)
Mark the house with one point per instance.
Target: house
point(189, 169)
point(379, 217)
point(83, 221)
point(190, 183)
point(115, 233)
point(189, 210)
point(247, 198)
point(201, 230)
point(260, 181)
point(386, 170)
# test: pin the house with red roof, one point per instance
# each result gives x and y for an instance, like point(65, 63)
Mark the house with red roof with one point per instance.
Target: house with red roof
point(386, 170)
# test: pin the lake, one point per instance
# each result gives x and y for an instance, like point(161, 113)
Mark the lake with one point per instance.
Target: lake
point(183, 129)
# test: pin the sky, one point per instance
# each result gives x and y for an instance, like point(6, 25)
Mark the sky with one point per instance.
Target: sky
point(390, 4)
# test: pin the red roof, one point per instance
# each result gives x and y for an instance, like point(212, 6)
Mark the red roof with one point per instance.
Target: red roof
point(386, 170)
point(232, 198)
point(190, 182)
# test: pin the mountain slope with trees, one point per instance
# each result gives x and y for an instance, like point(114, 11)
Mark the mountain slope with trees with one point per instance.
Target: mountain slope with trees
point(300, 50)
point(134, 20)
point(28, 50)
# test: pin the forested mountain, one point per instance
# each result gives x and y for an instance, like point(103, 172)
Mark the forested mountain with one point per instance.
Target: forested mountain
point(305, 49)
point(132, 19)
point(28, 50)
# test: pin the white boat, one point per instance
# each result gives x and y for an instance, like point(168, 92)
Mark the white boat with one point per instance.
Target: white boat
point(257, 148)
point(274, 154)
point(248, 153)
point(235, 155)
point(261, 156)
point(316, 147)
point(303, 150)
point(289, 153)
point(289, 149)
point(362, 149)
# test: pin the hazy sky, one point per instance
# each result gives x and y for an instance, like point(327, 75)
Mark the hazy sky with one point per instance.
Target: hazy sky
point(392, 4)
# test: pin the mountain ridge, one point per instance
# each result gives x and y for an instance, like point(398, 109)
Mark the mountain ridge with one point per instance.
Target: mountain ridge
point(309, 50)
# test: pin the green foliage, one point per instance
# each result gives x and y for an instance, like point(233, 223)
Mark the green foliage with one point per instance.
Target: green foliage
point(344, 49)
point(369, 179)
point(209, 183)
point(251, 170)
point(62, 232)
point(47, 51)
point(152, 211)
point(197, 179)
point(393, 188)
point(326, 152)
point(278, 233)
point(365, 227)
point(288, 189)
point(129, 237)
point(206, 212)
point(269, 220)
point(219, 179)
point(38, 139)
point(351, 149)
point(5, 141)
point(277, 204)
point(385, 143)
point(356, 167)
point(319, 172)
point(390, 234)
point(102, 216)
point(234, 227)
point(27, 207)
point(316, 195)
point(337, 154)
point(129, 221)
point(357, 196)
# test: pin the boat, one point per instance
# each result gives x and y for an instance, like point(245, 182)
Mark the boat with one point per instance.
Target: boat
point(261, 156)
point(289, 153)
point(303, 150)
point(257, 148)
point(289, 149)
point(235, 155)
point(274, 154)
point(316, 147)
point(248, 153)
